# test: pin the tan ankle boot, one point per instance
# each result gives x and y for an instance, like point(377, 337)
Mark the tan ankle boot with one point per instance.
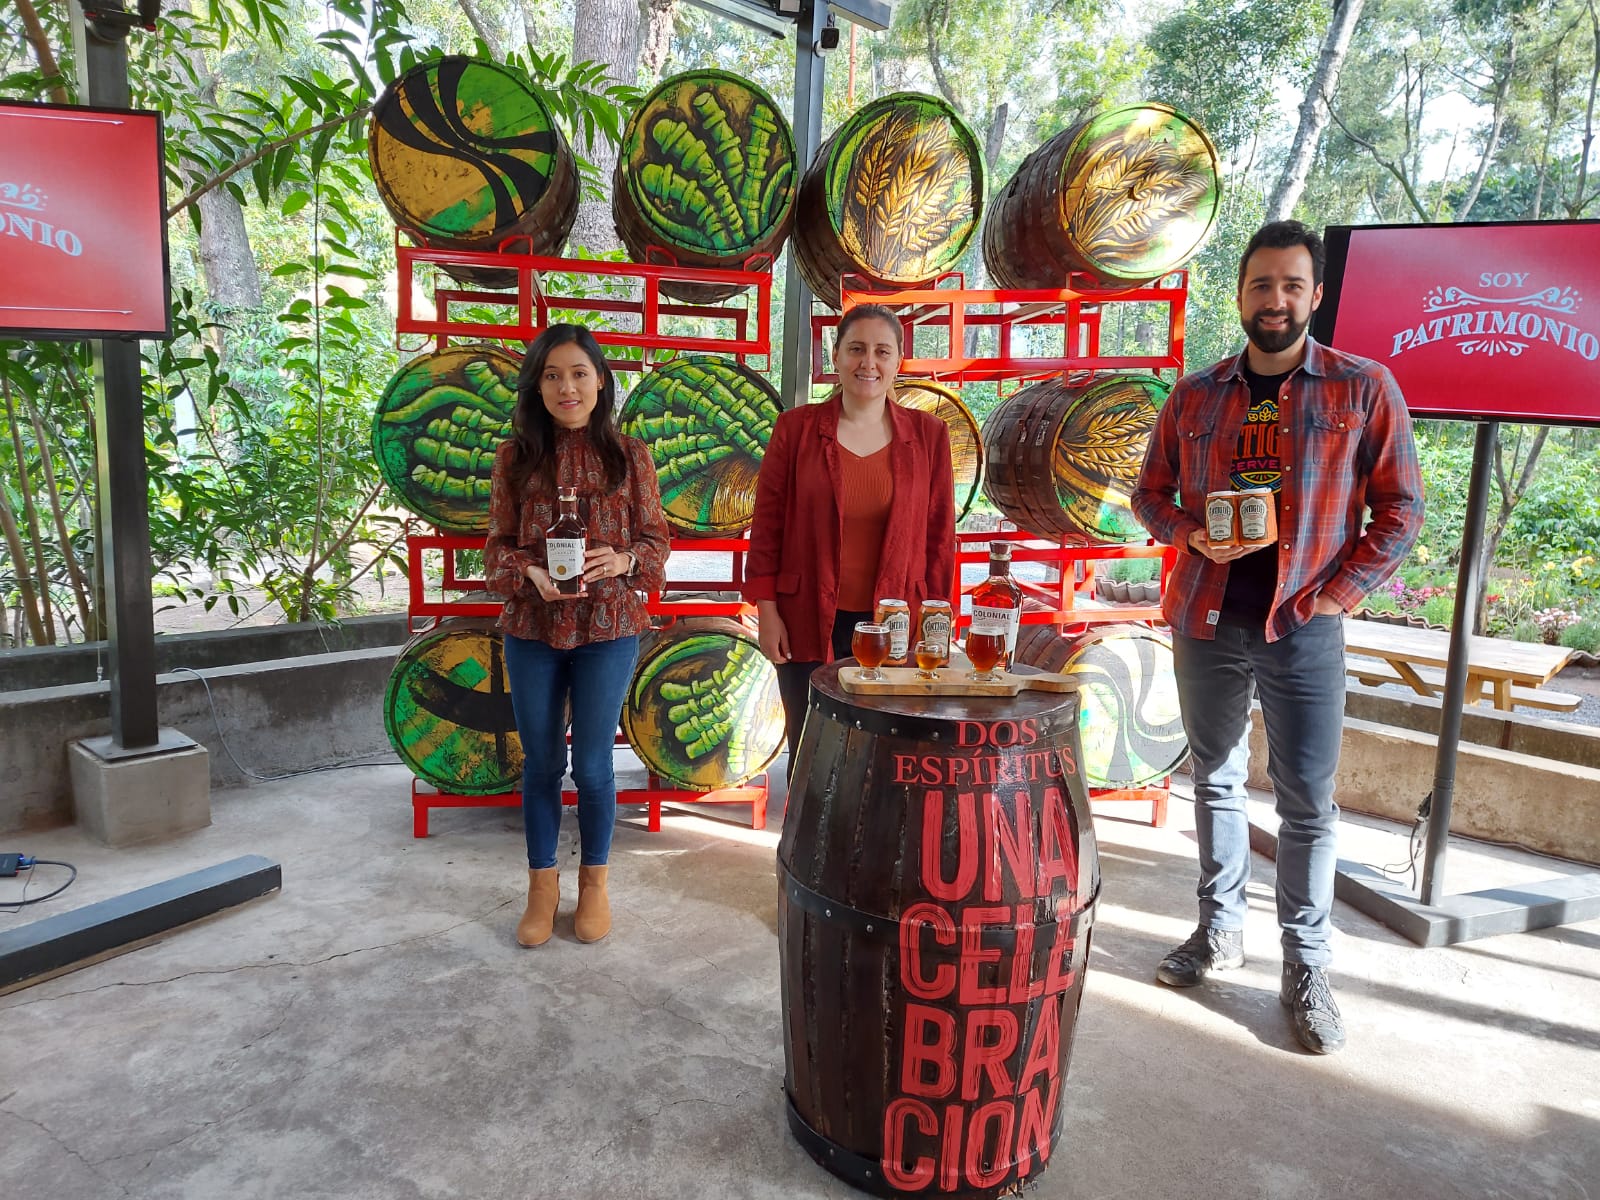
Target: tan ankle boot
point(544, 893)
point(593, 920)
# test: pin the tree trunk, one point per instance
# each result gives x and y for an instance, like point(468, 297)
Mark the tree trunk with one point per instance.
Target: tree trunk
point(661, 16)
point(1320, 92)
point(1502, 92)
point(34, 30)
point(993, 143)
point(530, 24)
point(604, 31)
point(479, 25)
point(1510, 495)
point(30, 599)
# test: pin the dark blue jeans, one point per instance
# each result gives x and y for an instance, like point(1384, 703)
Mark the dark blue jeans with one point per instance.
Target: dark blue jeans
point(1300, 682)
point(596, 677)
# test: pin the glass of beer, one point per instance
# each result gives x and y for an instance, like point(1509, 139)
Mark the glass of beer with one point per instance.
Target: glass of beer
point(985, 650)
point(930, 655)
point(870, 645)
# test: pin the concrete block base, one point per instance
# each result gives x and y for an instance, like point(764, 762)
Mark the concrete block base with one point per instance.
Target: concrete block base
point(121, 797)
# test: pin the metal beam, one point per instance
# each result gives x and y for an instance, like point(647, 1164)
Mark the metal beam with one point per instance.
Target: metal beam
point(795, 354)
point(122, 542)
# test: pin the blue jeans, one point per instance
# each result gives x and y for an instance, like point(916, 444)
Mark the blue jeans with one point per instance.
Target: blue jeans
point(596, 677)
point(1300, 680)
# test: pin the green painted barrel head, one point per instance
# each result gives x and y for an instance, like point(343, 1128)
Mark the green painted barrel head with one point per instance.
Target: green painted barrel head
point(1099, 450)
point(462, 149)
point(447, 710)
point(703, 710)
point(708, 163)
point(1140, 189)
point(1128, 719)
point(436, 429)
point(707, 421)
point(904, 187)
point(966, 444)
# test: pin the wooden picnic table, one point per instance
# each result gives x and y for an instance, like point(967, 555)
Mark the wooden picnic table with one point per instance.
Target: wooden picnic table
point(1502, 672)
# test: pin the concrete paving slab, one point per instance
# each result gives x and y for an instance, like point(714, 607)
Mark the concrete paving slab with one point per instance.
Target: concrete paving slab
point(373, 1031)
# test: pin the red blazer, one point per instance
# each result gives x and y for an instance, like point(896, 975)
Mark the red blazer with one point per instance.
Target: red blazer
point(797, 530)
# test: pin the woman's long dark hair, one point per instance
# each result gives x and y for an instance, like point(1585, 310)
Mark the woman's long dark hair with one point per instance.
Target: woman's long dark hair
point(534, 429)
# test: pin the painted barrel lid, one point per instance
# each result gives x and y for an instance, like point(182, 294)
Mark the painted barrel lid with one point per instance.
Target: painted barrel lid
point(436, 428)
point(895, 195)
point(1129, 723)
point(447, 710)
point(707, 169)
point(1063, 456)
point(707, 421)
point(966, 443)
point(462, 150)
point(703, 710)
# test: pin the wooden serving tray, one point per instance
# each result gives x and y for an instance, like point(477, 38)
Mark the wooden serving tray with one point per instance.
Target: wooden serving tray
point(952, 681)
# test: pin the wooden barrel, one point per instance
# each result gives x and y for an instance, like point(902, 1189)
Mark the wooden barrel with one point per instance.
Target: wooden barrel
point(937, 881)
point(706, 172)
point(1130, 726)
point(436, 428)
point(1061, 457)
point(707, 421)
point(966, 444)
point(1128, 196)
point(465, 155)
point(703, 710)
point(894, 196)
point(447, 709)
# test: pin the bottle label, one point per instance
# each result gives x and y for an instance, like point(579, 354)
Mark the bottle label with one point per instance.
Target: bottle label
point(1219, 520)
point(1253, 518)
point(565, 558)
point(998, 620)
point(899, 624)
point(936, 629)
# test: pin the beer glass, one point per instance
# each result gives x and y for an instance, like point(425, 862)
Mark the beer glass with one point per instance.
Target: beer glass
point(985, 650)
point(870, 645)
point(930, 655)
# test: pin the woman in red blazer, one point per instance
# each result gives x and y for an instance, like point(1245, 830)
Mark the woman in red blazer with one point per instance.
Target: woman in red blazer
point(856, 502)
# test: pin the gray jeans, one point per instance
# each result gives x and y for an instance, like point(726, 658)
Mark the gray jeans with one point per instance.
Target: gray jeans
point(1300, 681)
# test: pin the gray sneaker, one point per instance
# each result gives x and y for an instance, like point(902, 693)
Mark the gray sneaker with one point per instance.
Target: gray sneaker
point(1207, 950)
point(1309, 999)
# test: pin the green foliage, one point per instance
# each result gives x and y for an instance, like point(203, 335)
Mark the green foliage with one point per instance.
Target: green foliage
point(1582, 635)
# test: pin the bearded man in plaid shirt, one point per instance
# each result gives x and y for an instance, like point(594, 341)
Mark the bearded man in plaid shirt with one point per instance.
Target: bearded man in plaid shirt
point(1328, 433)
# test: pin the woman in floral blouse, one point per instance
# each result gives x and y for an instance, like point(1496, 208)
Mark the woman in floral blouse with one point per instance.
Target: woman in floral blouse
point(578, 648)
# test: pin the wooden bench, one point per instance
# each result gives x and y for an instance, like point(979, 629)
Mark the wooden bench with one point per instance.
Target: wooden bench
point(1374, 671)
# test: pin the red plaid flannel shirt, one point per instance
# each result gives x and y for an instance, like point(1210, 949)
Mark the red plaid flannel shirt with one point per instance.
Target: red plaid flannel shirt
point(1345, 442)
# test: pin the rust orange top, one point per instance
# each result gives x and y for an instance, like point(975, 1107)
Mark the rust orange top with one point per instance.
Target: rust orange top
point(866, 490)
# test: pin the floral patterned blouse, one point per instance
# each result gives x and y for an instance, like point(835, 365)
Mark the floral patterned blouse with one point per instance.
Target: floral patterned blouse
point(628, 519)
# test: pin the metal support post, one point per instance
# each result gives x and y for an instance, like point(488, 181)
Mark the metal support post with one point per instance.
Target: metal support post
point(808, 77)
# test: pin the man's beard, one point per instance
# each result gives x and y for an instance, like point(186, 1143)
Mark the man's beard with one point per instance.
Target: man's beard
point(1272, 341)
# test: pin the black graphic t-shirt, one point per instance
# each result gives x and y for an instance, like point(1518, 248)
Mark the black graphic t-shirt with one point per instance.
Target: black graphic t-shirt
point(1253, 578)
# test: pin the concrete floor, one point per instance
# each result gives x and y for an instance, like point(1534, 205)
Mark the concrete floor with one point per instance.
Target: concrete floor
point(372, 1031)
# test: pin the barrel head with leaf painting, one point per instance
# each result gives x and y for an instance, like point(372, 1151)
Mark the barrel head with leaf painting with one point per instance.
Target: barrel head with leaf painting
point(465, 155)
point(436, 428)
point(894, 196)
point(703, 710)
point(706, 172)
point(966, 443)
point(707, 421)
point(447, 710)
point(1127, 196)
point(1128, 719)
point(1061, 457)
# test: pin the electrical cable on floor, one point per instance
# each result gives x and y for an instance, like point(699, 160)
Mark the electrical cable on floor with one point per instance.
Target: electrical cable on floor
point(16, 906)
point(216, 720)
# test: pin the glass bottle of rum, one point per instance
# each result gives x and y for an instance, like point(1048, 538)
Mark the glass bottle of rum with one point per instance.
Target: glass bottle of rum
point(565, 543)
point(997, 601)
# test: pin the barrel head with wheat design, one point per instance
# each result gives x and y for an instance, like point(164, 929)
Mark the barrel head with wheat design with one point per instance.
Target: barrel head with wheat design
point(966, 444)
point(1061, 457)
point(703, 710)
point(707, 172)
point(1128, 719)
point(894, 196)
point(707, 421)
point(464, 155)
point(1127, 196)
point(436, 428)
point(447, 710)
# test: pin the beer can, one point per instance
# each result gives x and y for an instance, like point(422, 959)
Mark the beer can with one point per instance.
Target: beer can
point(1258, 517)
point(935, 625)
point(1222, 518)
point(896, 614)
